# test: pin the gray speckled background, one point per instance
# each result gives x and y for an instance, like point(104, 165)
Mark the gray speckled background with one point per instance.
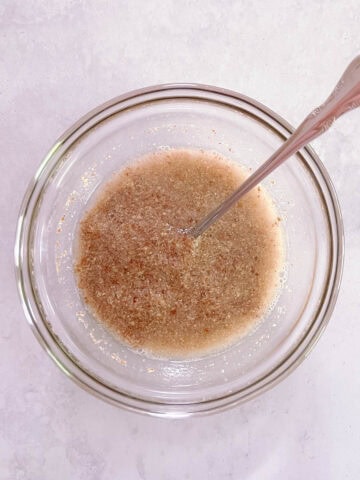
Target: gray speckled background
point(61, 58)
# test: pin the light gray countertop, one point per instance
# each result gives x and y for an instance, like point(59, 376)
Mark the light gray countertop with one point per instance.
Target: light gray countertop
point(58, 60)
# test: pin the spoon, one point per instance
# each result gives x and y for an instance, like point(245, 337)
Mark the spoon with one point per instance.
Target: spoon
point(344, 97)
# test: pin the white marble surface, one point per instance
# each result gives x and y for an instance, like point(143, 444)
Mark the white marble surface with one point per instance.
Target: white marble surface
point(58, 59)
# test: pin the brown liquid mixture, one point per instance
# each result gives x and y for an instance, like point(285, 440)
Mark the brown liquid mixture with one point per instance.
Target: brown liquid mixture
point(162, 291)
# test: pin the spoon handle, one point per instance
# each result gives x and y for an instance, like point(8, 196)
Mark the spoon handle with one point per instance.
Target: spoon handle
point(344, 97)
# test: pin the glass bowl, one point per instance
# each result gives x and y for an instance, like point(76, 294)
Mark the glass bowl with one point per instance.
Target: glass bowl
point(116, 134)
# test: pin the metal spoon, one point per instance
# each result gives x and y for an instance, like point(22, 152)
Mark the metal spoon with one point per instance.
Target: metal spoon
point(345, 97)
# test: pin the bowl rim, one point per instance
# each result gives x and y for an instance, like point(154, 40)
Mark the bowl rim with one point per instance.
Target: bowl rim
point(91, 384)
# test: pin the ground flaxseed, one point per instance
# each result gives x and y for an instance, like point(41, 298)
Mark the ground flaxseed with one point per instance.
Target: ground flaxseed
point(162, 291)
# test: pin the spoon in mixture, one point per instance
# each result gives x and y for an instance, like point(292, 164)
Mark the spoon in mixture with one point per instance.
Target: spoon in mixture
point(345, 97)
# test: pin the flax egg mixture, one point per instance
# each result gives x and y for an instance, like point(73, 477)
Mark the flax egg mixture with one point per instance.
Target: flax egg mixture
point(164, 292)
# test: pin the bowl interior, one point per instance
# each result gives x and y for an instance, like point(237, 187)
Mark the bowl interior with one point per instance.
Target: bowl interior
point(117, 136)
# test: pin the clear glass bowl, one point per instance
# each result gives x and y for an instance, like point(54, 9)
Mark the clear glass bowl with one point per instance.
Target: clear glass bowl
point(117, 133)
